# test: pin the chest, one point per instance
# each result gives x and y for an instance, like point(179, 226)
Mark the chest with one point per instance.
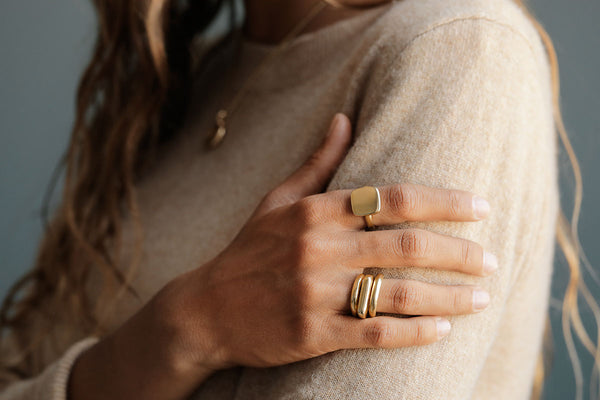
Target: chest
point(194, 201)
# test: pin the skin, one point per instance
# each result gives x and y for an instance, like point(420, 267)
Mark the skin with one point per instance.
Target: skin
point(284, 282)
point(268, 21)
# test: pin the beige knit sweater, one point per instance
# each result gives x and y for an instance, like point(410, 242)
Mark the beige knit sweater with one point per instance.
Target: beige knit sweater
point(451, 94)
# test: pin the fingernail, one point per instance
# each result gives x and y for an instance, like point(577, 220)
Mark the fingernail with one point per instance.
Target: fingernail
point(481, 299)
point(334, 124)
point(443, 327)
point(481, 207)
point(490, 263)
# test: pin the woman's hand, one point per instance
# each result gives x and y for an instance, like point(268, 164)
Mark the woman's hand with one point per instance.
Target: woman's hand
point(279, 293)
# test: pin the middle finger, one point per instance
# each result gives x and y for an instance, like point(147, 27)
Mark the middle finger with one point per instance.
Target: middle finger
point(413, 247)
point(403, 202)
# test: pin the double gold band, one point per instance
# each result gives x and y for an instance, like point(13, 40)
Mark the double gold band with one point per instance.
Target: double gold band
point(366, 201)
point(364, 295)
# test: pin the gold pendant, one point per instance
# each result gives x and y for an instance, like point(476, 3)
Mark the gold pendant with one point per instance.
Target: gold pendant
point(217, 137)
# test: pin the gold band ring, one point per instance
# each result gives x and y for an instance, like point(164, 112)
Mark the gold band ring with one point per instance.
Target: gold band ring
point(363, 298)
point(366, 201)
point(375, 295)
point(364, 295)
point(354, 293)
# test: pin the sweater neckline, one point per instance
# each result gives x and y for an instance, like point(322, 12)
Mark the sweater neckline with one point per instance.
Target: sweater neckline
point(316, 40)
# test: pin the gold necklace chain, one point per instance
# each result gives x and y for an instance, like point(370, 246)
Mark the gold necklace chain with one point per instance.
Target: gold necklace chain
point(217, 137)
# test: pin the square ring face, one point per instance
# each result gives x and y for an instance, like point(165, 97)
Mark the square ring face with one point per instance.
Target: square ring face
point(365, 201)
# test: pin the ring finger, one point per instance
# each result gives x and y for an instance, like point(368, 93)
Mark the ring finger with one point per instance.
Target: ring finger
point(413, 297)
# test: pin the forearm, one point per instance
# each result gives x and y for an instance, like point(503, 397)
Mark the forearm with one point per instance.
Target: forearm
point(139, 360)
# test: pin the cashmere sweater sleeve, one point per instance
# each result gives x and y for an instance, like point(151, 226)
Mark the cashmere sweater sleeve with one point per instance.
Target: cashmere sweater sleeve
point(464, 104)
point(51, 383)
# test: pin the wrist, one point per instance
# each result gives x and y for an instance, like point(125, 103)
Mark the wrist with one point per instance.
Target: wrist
point(187, 351)
point(144, 358)
point(180, 316)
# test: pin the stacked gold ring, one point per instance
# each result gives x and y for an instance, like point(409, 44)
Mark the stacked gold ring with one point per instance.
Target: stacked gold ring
point(364, 295)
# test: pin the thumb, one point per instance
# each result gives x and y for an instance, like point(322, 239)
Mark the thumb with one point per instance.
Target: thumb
point(316, 172)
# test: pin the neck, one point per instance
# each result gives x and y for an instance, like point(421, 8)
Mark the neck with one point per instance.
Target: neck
point(268, 21)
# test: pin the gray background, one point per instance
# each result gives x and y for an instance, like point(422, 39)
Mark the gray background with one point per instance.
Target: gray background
point(45, 44)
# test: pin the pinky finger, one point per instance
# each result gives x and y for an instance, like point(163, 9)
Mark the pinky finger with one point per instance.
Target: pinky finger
point(390, 332)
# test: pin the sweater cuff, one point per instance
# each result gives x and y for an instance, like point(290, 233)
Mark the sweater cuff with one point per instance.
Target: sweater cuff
point(59, 377)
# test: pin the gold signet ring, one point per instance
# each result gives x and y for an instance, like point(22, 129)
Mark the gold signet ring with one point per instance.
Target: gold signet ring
point(366, 201)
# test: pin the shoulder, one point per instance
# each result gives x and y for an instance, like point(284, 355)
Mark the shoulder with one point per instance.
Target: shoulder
point(473, 23)
point(434, 65)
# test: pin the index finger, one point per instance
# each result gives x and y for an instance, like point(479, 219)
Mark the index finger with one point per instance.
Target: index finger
point(403, 202)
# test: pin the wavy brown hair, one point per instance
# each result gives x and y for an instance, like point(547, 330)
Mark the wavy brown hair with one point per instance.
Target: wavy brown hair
point(131, 97)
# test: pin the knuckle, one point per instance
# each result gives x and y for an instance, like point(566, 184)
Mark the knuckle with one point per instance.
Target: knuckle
point(307, 211)
point(405, 297)
point(404, 200)
point(314, 246)
point(308, 294)
point(465, 252)
point(305, 242)
point(411, 244)
point(458, 300)
point(271, 199)
point(377, 334)
point(308, 248)
point(454, 204)
point(419, 332)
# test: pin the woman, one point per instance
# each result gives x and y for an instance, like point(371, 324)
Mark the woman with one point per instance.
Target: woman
point(178, 270)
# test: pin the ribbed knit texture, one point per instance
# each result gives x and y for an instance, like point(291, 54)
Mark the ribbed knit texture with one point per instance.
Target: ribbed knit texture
point(52, 383)
point(450, 94)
